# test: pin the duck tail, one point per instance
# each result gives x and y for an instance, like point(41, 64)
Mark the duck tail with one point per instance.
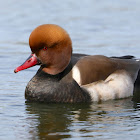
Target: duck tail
point(125, 57)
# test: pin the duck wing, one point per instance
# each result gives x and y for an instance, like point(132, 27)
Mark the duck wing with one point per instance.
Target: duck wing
point(88, 69)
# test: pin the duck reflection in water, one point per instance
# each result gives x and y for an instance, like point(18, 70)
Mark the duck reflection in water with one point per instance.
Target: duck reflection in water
point(54, 120)
point(58, 121)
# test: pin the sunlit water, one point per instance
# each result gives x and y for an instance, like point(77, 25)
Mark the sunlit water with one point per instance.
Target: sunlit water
point(110, 27)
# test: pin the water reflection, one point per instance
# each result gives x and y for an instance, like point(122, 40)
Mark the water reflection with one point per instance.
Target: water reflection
point(56, 121)
point(53, 118)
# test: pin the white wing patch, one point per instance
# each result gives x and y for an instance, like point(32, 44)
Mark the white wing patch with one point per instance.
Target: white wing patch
point(76, 74)
point(115, 86)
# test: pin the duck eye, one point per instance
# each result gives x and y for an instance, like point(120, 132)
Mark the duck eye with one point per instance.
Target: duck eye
point(45, 48)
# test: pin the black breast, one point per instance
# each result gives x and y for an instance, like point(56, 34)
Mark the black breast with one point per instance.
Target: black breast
point(55, 88)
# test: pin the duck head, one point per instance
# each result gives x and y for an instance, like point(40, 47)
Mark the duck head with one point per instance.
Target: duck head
point(51, 46)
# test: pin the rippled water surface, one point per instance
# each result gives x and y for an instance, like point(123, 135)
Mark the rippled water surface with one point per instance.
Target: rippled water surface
point(110, 27)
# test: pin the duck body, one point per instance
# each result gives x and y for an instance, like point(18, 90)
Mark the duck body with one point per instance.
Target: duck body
point(91, 84)
point(64, 77)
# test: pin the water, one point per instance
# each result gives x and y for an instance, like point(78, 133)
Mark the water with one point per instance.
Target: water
point(110, 27)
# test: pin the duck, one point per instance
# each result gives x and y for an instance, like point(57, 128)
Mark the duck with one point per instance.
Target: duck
point(66, 77)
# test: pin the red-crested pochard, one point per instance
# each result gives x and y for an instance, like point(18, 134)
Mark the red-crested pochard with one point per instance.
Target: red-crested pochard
point(66, 77)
